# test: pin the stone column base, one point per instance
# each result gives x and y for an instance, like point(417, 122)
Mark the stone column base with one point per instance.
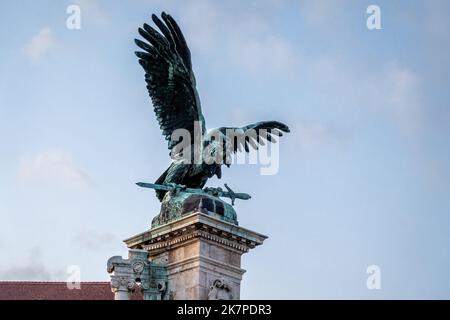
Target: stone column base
point(202, 255)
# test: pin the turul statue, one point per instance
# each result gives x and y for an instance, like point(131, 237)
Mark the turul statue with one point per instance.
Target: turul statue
point(197, 153)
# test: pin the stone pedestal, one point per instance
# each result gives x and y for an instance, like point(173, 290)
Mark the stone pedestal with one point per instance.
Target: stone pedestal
point(202, 255)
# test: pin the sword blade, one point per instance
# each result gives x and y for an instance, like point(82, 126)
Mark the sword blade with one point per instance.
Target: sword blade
point(226, 194)
point(155, 186)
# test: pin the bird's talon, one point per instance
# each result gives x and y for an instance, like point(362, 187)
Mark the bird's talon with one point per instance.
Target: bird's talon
point(212, 191)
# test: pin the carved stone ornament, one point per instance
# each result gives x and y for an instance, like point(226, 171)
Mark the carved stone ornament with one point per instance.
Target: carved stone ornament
point(220, 290)
point(137, 272)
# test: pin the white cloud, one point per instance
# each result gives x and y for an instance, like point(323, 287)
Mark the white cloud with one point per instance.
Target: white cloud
point(30, 268)
point(240, 116)
point(391, 90)
point(262, 53)
point(321, 12)
point(41, 44)
point(253, 46)
point(52, 167)
point(200, 33)
point(314, 135)
point(402, 96)
point(235, 38)
point(394, 91)
point(91, 10)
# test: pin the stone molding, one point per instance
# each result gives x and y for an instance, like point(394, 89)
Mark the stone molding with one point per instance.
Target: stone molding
point(196, 225)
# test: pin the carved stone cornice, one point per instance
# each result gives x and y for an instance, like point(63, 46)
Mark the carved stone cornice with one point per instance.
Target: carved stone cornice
point(194, 226)
point(177, 239)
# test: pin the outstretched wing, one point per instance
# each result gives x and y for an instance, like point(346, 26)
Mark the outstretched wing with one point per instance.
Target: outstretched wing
point(166, 60)
point(253, 135)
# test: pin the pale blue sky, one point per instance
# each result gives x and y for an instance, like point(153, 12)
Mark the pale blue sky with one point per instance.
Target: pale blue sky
point(364, 176)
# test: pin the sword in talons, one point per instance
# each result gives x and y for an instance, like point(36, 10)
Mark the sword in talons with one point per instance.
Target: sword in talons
point(215, 191)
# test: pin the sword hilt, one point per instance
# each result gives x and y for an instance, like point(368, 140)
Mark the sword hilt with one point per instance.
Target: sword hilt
point(231, 193)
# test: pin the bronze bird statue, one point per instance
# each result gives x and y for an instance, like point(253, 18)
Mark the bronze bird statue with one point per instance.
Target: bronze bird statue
point(171, 84)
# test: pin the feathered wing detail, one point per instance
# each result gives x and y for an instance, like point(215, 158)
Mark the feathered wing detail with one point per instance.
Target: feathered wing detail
point(166, 60)
point(252, 135)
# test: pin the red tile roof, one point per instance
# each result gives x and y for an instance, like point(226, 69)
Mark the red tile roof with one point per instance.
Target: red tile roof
point(31, 290)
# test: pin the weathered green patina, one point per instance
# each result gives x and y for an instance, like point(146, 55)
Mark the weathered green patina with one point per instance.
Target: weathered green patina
point(180, 201)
